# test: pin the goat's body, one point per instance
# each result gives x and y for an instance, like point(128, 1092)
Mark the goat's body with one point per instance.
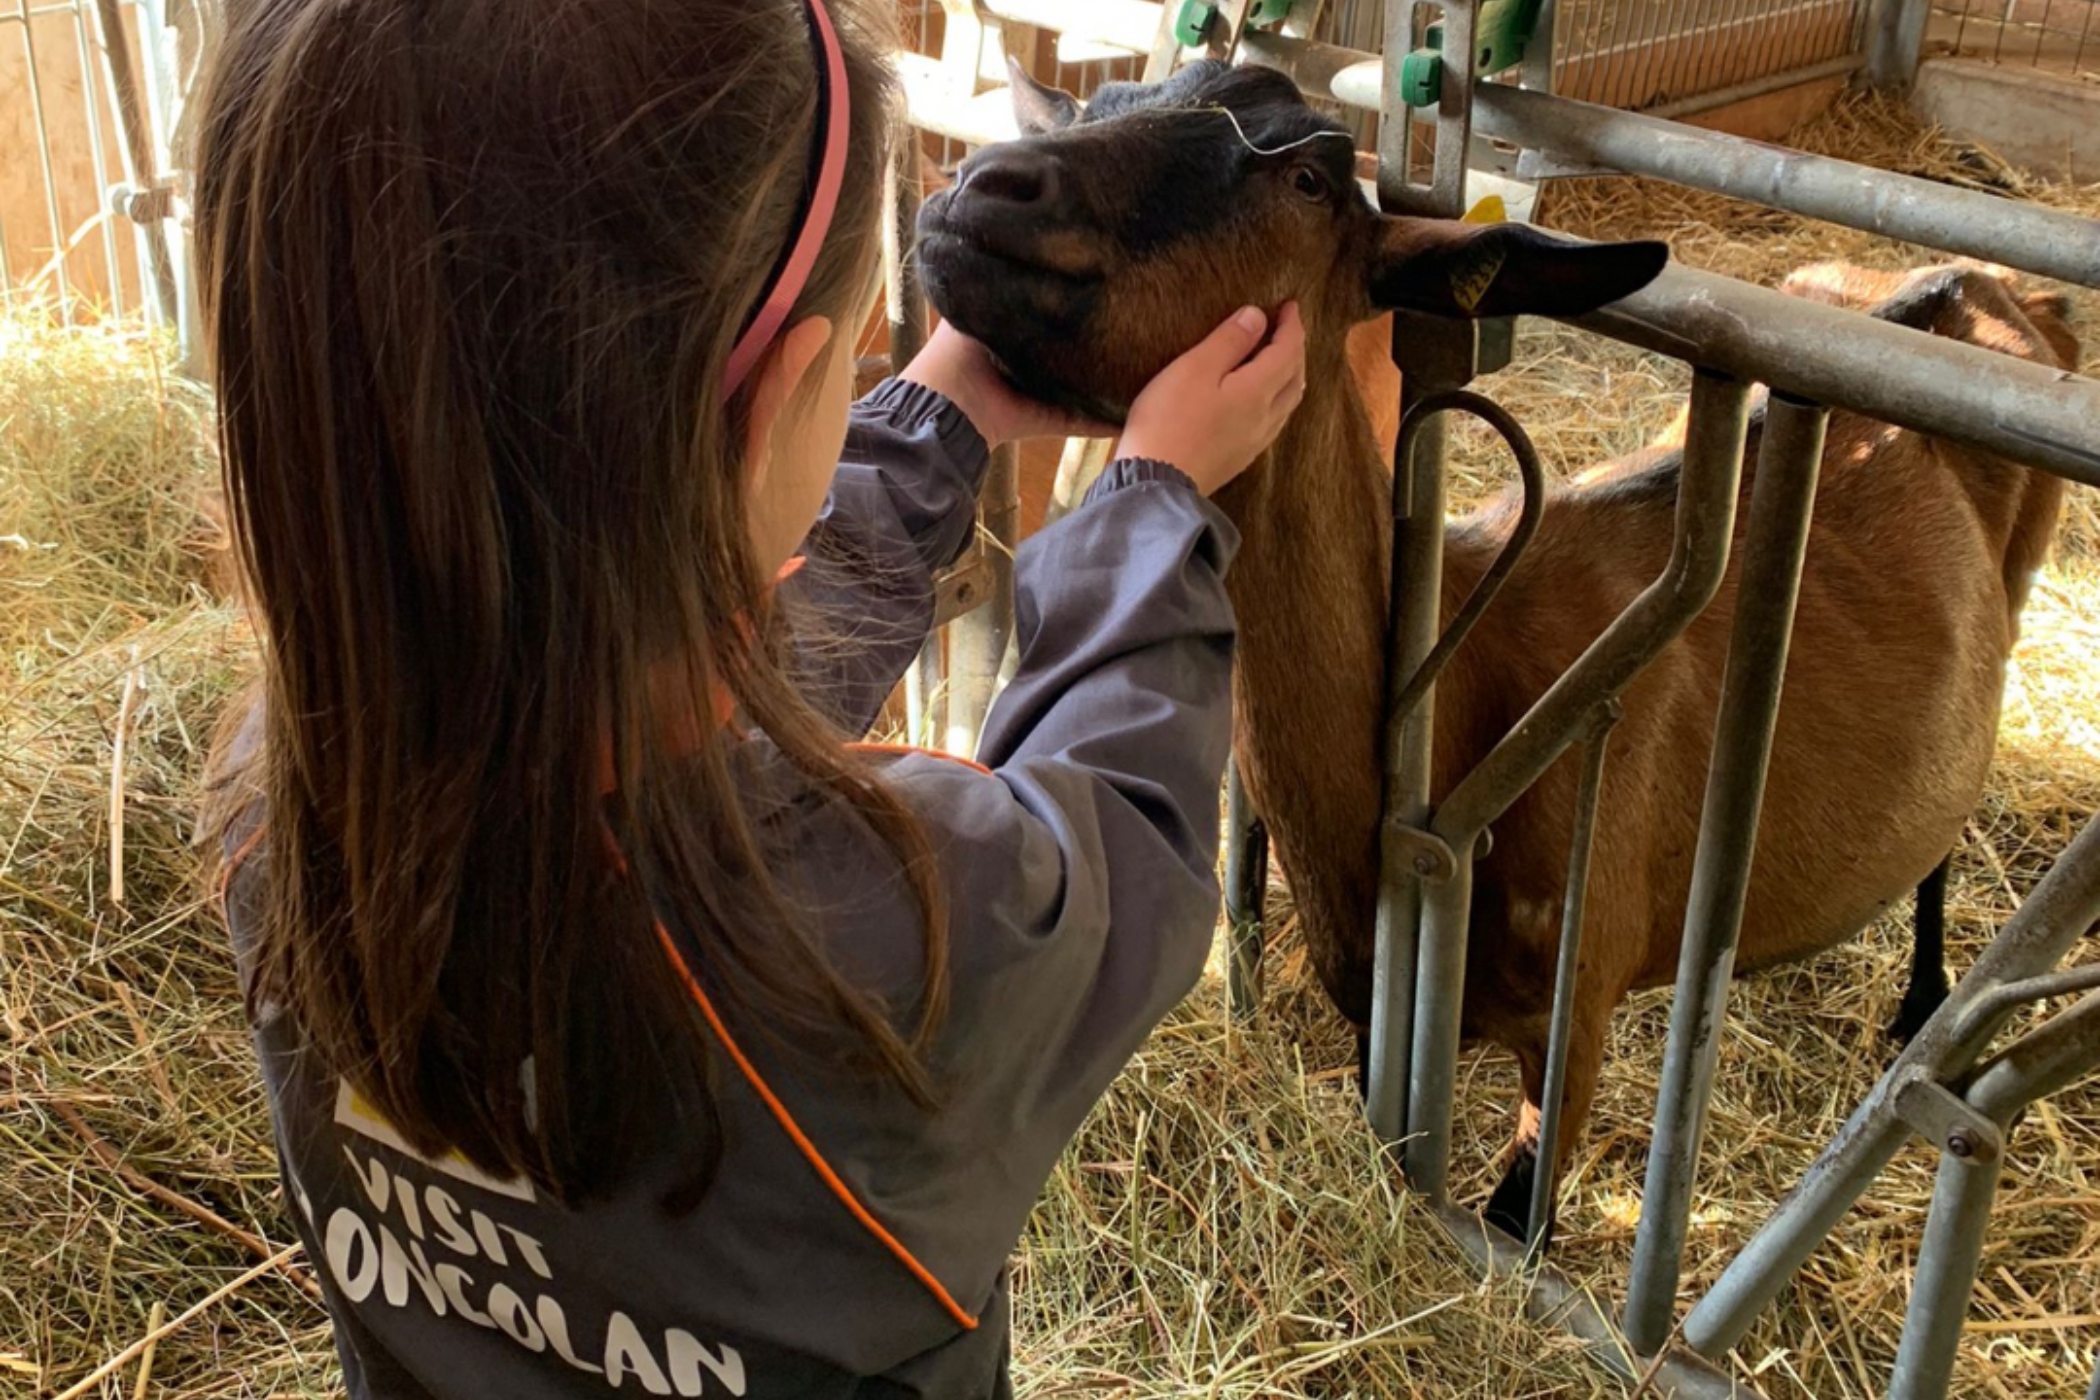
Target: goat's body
point(1916, 569)
point(1116, 239)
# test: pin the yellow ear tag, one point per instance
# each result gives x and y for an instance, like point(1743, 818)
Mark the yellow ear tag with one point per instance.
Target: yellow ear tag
point(1475, 270)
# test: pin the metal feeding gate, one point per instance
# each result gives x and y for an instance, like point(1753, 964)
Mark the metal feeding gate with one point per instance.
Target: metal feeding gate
point(1950, 1086)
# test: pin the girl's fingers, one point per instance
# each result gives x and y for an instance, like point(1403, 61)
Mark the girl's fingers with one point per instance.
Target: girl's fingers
point(1281, 360)
point(1220, 352)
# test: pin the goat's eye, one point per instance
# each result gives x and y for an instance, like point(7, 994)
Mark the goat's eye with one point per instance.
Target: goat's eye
point(1309, 182)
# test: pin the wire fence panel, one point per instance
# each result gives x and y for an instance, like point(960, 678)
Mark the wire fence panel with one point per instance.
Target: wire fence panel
point(2060, 37)
point(57, 155)
point(64, 147)
point(1635, 54)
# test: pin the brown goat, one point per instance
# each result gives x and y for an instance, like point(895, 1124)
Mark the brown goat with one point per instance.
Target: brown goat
point(1089, 254)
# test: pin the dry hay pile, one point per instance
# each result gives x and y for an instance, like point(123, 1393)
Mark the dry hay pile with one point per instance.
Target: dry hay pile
point(122, 1023)
point(1223, 1226)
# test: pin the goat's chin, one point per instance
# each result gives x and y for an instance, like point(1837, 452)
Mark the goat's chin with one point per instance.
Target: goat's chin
point(1028, 362)
point(1047, 389)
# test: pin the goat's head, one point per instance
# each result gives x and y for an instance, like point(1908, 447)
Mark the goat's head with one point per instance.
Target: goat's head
point(1104, 243)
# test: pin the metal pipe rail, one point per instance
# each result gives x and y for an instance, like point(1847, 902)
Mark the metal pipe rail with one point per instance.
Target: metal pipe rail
point(1587, 139)
point(2043, 241)
point(2034, 415)
point(1790, 461)
point(1705, 525)
point(2050, 1058)
point(2059, 912)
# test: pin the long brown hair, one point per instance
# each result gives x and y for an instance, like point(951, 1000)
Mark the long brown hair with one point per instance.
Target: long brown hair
point(473, 271)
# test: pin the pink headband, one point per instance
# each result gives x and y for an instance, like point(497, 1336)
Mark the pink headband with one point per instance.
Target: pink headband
point(834, 110)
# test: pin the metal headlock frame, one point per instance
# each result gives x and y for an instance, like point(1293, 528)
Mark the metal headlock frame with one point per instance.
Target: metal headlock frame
point(1947, 1086)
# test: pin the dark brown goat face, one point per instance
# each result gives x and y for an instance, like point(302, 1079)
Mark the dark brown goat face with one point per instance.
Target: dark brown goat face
point(1100, 246)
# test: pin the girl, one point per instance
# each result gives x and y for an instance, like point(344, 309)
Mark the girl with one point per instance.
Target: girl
point(625, 1028)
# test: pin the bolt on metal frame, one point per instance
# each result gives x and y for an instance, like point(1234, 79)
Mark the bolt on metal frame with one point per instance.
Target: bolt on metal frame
point(1947, 1086)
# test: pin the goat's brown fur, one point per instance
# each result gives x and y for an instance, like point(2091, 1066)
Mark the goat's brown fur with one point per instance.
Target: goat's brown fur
point(1918, 563)
point(1165, 219)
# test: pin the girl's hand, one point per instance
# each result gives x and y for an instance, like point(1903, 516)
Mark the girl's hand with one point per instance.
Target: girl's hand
point(961, 370)
point(1221, 405)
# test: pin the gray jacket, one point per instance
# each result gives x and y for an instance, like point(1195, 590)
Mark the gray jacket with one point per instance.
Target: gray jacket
point(1080, 874)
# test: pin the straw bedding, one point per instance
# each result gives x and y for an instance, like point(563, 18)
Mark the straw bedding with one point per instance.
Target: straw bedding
point(1223, 1226)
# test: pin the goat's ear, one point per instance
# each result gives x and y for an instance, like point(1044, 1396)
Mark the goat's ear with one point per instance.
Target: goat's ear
point(1457, 269)
point(1037, 107)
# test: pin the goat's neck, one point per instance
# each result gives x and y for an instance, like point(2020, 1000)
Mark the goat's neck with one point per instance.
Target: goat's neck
point(1309, 589)
point(1314, 511)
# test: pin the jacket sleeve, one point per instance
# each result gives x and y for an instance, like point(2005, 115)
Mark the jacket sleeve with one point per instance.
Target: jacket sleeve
point(1083, 881)
point(903, 505)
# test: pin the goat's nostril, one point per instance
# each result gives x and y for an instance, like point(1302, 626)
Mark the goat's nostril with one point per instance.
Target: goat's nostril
point(1011, 177)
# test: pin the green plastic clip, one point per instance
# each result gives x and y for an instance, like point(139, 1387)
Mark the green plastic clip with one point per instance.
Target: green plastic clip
point(1422, 72)
point(1194, 22)
point(1502, 31)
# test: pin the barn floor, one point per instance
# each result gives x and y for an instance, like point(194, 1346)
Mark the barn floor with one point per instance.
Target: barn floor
point(1224, 1225)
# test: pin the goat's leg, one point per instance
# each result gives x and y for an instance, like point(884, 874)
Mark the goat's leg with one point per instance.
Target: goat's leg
point(1509, 1208)
point(1928, 961)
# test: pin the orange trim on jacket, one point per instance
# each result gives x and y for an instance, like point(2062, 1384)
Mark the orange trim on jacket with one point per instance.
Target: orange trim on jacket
point(809, 1150)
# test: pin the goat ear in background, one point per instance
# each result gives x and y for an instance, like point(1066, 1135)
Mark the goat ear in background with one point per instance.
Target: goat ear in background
point(1449, 268)
point(1037, 107)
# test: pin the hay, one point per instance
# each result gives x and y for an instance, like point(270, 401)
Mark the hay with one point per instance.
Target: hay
point(1223, 1225)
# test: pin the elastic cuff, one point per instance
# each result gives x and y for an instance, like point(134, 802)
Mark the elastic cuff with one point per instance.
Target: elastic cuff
point(1134, 471)
point(909, 406)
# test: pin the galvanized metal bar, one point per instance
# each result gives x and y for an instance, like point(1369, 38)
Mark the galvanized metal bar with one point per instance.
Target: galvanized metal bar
point(1413, 617)
point(1440, 984)
point(1782, 500)
point(1415, 596)
point(1945, 1276)
point(904, 294)
point(143, 169)
point(1553, 1300)
point(1531, 510)
point(2055, 915)
point(1706, 503)
point(2011, 995)
point(1445, 194)
point(1545, 1179)
point(1538, 58)
point(1898, 42)
point(905, 299)
point(2054, 1055)
point(1078, 467)
point(2023, 411)
point(1246, 896)
point(926, 692)
point(2093, 1391)
point(1755, 87)
point(977, 640)
point(1706, 500)
point(1314, 66)
point(2045, 241)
